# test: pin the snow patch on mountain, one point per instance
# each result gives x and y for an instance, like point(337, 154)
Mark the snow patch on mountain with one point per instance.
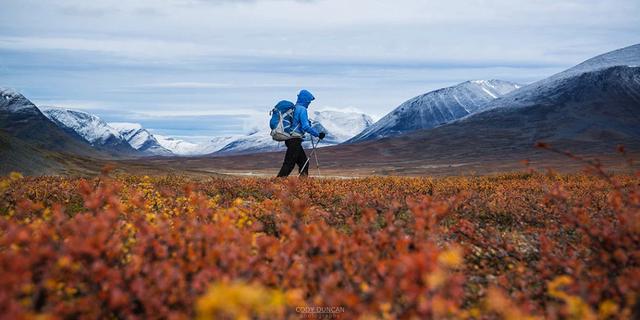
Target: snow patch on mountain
point(177, 146)
point(133, 132)
point(8, 93)
point(13, 101)
point(259, 141)
point(140, 139)
point(342, 125)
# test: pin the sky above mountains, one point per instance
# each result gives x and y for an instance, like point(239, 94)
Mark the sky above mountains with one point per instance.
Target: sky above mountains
point(197, 68)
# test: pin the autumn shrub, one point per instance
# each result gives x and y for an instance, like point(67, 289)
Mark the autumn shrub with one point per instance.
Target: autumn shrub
point(503, 246)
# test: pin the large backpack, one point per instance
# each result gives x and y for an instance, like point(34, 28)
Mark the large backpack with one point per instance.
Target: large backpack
point(281, 119)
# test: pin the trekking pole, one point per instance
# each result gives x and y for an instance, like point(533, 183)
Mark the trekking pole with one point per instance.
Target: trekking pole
point(315, 154)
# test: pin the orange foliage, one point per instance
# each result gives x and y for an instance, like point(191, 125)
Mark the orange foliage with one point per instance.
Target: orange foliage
point(506, 246)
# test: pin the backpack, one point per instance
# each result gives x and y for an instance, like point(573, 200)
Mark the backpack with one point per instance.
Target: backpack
point(281, 119)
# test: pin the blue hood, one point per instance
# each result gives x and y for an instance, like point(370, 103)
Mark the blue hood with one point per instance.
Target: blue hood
point(304, 98)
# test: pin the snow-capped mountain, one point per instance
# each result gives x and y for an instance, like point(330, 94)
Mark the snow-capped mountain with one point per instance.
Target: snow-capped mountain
point(20, 118)
point(437, 107)
point(597, 98)
point(186, 148)
point(259, 141)
point(545, 90)
point(341, 126)
point(338, 126)
point(600, 106)
point(589, 110)
point(31, 143)
point(12, 101)
point(90, 127)
point(140, 139)
point(177, 146)
point(628, 56)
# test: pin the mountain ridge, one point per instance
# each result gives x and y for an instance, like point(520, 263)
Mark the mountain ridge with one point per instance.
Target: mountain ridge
point(621, 57)
point(91, 128)
point(437, 107)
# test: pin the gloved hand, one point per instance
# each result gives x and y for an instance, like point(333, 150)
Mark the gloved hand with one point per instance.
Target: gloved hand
point(321, 135)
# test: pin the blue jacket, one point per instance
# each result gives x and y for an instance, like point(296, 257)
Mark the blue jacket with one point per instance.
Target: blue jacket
point(301, 121)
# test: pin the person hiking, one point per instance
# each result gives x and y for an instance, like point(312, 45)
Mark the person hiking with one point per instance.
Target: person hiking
point(301, 125)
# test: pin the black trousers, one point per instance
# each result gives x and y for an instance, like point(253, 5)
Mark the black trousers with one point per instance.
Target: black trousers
point(295, 155)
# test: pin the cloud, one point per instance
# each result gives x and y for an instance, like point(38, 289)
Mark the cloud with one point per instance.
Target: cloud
point(85, 105)
point(166, 58)
point(87, 11)
point(134, 48)
point(245, 1)
point(187, 113)
point(186, 85)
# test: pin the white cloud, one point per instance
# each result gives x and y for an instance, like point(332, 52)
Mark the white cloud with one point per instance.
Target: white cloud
point(201, 113)
point(128, 47)
point(70, 104)
point(211, 85)
point(474, 30)
point(164, 58)
point(186, 85)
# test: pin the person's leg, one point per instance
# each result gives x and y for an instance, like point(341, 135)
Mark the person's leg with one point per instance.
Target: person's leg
point(289, 159)
point(301, 159)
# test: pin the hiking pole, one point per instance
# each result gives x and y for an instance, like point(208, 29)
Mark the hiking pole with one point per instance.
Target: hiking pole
point(315, 154)
point(306, 163)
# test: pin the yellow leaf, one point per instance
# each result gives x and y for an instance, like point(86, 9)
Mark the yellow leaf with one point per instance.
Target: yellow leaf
point(607, 309)
point(451, 258)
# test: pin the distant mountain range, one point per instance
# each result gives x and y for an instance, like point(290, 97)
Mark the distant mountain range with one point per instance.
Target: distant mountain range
point(90, 128)
point(338, 125)
point(131, 139)
point(590, 107)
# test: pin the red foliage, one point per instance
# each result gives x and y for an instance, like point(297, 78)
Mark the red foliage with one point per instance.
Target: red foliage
point(139, 247)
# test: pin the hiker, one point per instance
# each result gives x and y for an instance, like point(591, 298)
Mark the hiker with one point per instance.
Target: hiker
point(300, 124)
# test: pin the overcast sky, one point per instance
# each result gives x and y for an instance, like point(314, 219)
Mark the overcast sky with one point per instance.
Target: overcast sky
point(213, 67)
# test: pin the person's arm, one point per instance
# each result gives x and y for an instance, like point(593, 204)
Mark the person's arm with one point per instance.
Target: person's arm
point(305, 125)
